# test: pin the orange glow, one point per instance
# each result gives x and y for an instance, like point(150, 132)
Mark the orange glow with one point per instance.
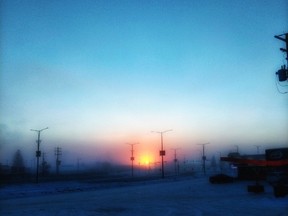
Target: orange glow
point(146, 159)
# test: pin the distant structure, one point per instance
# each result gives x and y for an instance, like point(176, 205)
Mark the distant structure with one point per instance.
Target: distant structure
point(38, 152)
point(45, 165)
point(132, 157)
point(283, 72)
point(58, 153)
point(176, 164)
point(78, 164)
point(258, 148)
point(203, 157)
point(237, 148)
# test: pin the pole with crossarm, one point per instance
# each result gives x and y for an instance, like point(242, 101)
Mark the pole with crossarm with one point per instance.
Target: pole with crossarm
point(162, 151)
point(38, 152)
point(132, 157)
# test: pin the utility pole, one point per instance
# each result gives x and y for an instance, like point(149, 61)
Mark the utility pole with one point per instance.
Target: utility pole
point(283, 72)
point(78, 164)
point(58, 153)
point(44, 164)
point(237, 148)
point(220, 162)
point(132, 157)
point(162, 151)
point(258, 147)
point(176, 164)
point(285, 39)
point(203, 157)
point(38, 152)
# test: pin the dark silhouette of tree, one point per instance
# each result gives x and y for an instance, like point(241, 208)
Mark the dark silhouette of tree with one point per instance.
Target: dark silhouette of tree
point(18, 166)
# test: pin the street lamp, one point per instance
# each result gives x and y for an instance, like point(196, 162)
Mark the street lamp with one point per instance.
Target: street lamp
point(38, 152)
point(237, 148)
point(162, 151)
point(258, 148)
point(132, 157)
point(203, 156)
point(176, 164)
point(58, 153)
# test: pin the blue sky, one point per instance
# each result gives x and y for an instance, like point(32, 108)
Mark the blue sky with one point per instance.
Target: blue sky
point(103, 73)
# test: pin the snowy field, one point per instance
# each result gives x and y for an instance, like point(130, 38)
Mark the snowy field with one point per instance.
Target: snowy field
point(182, 196)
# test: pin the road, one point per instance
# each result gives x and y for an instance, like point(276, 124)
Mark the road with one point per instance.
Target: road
point(189, 196)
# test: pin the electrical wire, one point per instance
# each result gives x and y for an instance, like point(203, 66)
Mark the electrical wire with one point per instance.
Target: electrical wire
point(281, 84)
point(276, 83)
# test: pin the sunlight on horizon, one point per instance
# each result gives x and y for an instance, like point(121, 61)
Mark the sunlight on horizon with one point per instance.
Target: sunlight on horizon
point(112, 73)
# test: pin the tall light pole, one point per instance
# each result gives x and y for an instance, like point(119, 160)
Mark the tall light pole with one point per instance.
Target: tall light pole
point(78, 164)
point(38, 152)
point(220, 162)
point(203, 157)
point(258, 147)
point(132, 157)
point(176, 161)
point(162, 151)
point(58, 153)
point(237, 148)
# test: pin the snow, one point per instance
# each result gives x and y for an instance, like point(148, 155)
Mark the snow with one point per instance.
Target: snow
point(181, 196)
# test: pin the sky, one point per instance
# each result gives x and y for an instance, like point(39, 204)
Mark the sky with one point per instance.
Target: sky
point(101, 74)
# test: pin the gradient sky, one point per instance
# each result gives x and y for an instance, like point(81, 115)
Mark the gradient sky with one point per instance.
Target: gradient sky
point(101, 74)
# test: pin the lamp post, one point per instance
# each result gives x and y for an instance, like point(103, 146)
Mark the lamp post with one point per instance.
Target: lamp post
point(132, 157)
point(237, 148)
point(258, 148)
point(203, 157)
point(38, 152)
point(176, 164)
point(58, 153)
point(162, 151)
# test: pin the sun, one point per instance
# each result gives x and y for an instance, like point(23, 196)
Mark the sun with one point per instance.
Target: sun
point(145, 160)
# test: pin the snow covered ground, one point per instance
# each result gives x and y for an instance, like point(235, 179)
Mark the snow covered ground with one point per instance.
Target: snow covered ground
point(182, 196)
